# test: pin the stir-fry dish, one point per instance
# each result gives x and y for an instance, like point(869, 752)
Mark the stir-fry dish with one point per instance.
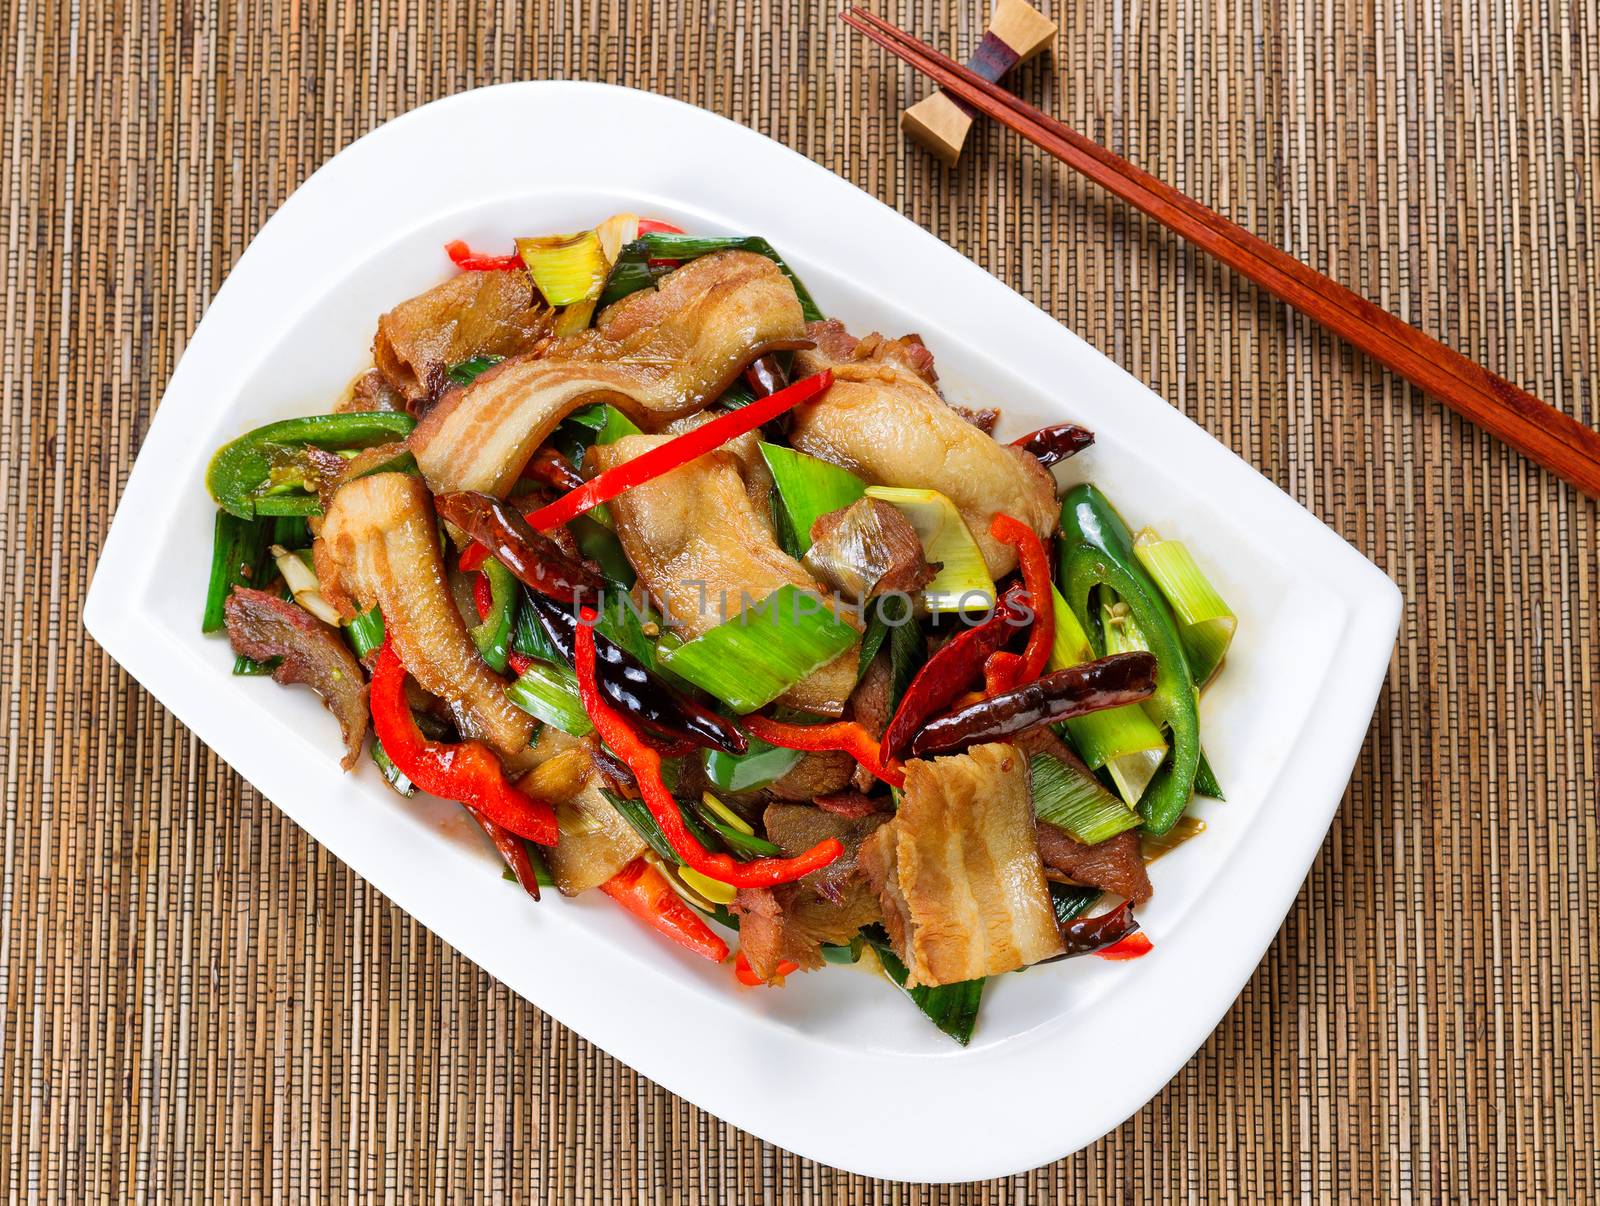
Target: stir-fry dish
point(694, 597)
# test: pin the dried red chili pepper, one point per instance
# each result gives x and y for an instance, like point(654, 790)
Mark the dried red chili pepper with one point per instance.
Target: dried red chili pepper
point(1089, 935)
point(947, 673)
point(844, 735)
point(534, 560)
point(645, 764)
point(1055, 443)
point(467, 771)
point(553, 469)
point(1109, 682)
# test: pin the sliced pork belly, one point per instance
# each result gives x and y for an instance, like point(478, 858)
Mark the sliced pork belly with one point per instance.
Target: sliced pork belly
point(702, 550)
point(655, 355)
point(471, 314)
point(380, 540)
point(958, 873)
point(884, 421)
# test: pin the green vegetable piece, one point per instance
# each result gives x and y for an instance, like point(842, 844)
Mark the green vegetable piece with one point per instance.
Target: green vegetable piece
point(256, 474)
point(1205, 623)
point(1205, 780)
point(238, 558)
point(365, 632)
point(392, 774)
point(953, 1008)
point(492, 634)
point(808, 488)
point(550, 694)
point(1097, 551)
point(757, 655)
point(1071, 903)
point(1075, 801)
point(760, 765)
point(465, 372)
point(743, 845)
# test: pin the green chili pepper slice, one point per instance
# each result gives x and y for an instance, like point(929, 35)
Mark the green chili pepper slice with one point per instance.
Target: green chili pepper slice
point(492, 634)
point(260, 473)
point(1097, 550)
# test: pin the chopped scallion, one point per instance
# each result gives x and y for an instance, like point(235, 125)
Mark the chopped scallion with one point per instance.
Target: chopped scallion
point(567, 268)
point(1075, 801)
point(963, 581)
point(808, 488)
point(550, 693)
point(1205, 623)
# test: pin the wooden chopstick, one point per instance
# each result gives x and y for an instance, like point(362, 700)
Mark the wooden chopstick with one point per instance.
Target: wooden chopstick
point(1541, 432)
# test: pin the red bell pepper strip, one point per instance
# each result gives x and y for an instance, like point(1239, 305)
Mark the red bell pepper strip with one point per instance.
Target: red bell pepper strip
point(1134, 946)
point(663, 459)
point(666, 457)
point(645, 893)
point(1036, 580)
point(464, 258)
point(645, 763)
point(467, 771)
point(746, 974)
point(844, 735)
point(947, 673)
point(657, 226)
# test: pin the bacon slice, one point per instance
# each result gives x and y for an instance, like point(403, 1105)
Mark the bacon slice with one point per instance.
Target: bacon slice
point(263, 626)
point(380, 538)
point(471, 314)
point(656, 355)
point(958, 870)
point(885, 422)
point(704, 552)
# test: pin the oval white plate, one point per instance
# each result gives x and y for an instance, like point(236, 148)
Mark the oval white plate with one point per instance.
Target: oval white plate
point(837, 1066)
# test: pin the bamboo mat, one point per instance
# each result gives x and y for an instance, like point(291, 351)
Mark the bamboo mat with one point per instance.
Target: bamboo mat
point(200, 1003)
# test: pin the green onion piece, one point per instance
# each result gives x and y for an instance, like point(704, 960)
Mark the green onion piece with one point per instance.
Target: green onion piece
point(639, 265)
point(465, 372)
point(392, 774)
point(567, 268)
point(963, 580)
point(550, 693)
point(492, 634)
point(529, 638)
point(637, 814)
point(760, 765)
point(1076, 802)
point(248, 667)
point(1205, 623)
point(1070, 903)
point(1205, 780)
point(751, 659)
point(365, 632)
point(809, 488)
point(742, 845)
point(292, 532)
point(1122, 740)
point(238, 557)
point(302, 582)
point(953, 1008)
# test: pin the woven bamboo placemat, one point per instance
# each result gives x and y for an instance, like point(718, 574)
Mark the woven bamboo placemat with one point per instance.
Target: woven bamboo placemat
point(199, 1003)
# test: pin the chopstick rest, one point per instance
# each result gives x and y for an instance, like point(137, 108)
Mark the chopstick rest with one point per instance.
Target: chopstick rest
point(1016, 33)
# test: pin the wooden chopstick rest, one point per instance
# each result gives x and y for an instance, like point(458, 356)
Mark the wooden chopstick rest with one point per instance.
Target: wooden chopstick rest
point(1016, 33)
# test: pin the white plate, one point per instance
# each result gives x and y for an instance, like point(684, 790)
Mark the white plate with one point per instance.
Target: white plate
point(837, 1066)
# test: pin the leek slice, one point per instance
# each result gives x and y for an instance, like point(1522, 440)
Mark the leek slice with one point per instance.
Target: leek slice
point(1076, 802)
point(465, 372)
point(567, 268)
point(365, 632)
point(550, 693)
point(301, 580)
point(751, 659)
point(1154, 847)
point(616, 232)
point(808, 488)
point(1205, 623)
point(1122, 740)
point(963, 580)
point(1070, 903)
point(704, 886)
point(649, 257)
